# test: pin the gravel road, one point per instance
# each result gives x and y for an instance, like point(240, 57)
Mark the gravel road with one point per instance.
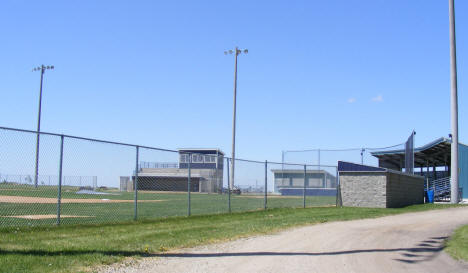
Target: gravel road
point(410, 242)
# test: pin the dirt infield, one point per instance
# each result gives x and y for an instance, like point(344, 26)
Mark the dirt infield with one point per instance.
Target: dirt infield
point(45, 216)
point(47, 200)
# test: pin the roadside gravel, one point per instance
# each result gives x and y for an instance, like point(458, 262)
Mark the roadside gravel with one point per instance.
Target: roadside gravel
point(410, 242)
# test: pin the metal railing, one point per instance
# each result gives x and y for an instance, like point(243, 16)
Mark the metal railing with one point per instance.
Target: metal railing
point(158, 165)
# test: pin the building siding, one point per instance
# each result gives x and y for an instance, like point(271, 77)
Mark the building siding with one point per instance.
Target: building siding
point(463, 166)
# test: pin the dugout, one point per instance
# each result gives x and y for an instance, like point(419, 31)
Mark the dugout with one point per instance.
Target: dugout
point(375, 187)
point(164, 183)
point(317, 182)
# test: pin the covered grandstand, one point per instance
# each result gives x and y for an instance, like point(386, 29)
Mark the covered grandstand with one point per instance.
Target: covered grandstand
point(432, 161)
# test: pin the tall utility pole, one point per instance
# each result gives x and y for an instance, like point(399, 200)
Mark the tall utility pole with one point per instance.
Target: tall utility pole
point(236, 52)
point(453, 106)
point(42, 69)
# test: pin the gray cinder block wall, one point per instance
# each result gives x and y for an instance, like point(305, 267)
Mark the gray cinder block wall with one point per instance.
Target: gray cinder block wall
point(380, 189)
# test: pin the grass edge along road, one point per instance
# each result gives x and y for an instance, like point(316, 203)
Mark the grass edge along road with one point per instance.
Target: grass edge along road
point(457, 245)
point(81, 248)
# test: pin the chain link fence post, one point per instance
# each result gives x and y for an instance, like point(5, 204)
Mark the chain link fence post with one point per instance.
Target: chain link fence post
point(337, 196)
point(188, 184)
point(229, 185)
point(304, 189)
point(135, 184)
point(266, 177)
point(59, 188)
point(339, 202)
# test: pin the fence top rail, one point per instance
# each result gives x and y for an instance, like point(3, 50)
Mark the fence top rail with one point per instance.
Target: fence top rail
point(344, 149)
point(85, 138)
point(152, 148)
point(283, 163)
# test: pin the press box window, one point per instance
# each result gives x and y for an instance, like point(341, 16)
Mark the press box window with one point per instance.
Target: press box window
point(197, 158)
point(210, 159)
point(184, 158)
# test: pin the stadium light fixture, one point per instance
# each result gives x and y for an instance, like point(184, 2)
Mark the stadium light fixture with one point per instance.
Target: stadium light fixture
point(42, 69)
point(236, 52)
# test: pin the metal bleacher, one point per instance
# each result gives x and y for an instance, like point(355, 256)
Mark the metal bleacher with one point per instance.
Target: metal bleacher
point(441, 188)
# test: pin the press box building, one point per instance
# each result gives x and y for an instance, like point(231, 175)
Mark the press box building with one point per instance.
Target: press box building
point(206, 173)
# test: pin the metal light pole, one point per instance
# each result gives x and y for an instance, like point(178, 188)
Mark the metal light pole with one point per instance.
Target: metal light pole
point(42, 69)
point(453, 106)
point(236, 52)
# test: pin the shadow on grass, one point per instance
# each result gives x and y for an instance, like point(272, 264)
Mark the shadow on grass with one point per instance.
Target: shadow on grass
point(426, 250)
point(414, 252)
point(208, 255)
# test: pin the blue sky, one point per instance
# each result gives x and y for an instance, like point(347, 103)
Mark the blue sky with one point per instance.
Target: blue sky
point(319, 74)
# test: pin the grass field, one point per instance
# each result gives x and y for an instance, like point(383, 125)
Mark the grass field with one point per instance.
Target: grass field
point(457, 246)
point(79, 248)
point(153, 205)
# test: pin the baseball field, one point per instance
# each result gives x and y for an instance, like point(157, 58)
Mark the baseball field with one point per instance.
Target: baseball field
point(25, 205)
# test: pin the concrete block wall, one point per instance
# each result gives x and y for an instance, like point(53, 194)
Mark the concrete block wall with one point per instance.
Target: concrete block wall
point(404, 190)
point(382, 189)
point(363, 189)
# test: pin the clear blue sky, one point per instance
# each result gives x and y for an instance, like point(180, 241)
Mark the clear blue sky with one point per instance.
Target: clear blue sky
point(319, 74)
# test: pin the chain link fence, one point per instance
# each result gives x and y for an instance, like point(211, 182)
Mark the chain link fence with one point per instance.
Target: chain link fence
point(79, 180)
point(328, 157)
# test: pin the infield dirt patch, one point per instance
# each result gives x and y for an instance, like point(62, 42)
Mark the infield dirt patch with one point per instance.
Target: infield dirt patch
point(45, 216)
point(270, 196)
point(48, 200)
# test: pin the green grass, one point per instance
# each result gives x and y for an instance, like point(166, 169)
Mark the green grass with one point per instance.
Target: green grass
point(171, 204)
point(457, 246)
point(77, 248)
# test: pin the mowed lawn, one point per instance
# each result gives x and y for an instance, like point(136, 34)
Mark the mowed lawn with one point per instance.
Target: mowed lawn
point(77, 248)
point(152, 205)
point(457, 246)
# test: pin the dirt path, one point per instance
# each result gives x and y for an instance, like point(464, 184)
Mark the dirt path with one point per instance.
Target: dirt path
point(402, 243)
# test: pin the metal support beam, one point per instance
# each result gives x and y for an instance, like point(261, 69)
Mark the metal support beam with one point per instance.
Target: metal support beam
point(427, 168)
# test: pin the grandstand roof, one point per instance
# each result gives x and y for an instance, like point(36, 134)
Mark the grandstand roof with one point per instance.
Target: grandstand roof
point(435, 153)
